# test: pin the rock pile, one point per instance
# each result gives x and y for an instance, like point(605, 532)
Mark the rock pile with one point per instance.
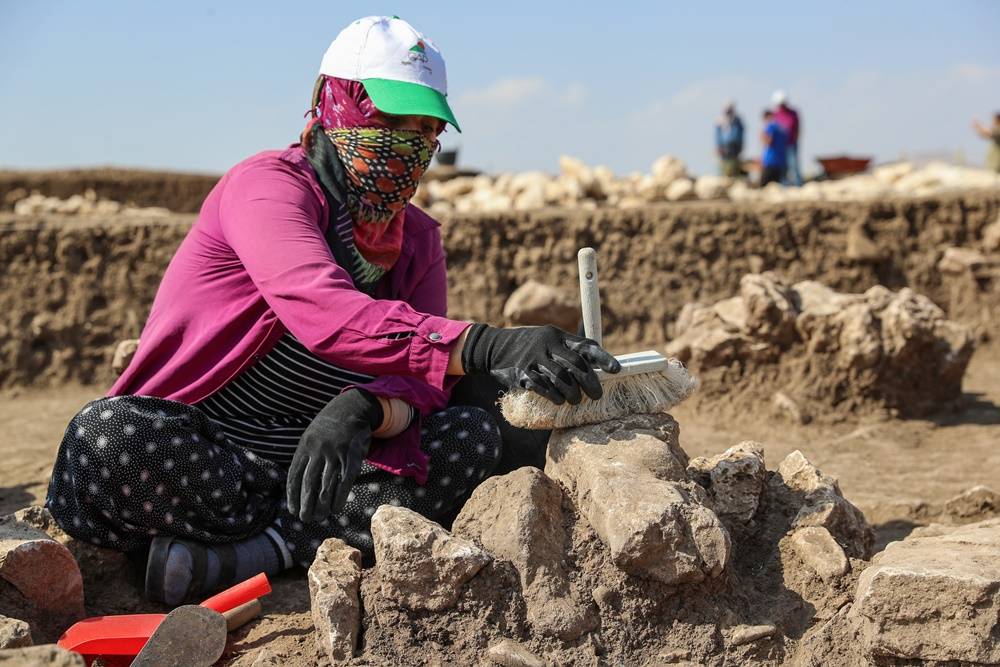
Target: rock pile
point(86, 204)
point(623, 551)
point(821, 352)
point(579, 185)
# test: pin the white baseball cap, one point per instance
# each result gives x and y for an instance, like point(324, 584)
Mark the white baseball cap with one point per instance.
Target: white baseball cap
point(779, 97)
point(402, 71)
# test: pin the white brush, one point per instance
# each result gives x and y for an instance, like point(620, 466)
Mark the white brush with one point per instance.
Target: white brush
point(648, 382)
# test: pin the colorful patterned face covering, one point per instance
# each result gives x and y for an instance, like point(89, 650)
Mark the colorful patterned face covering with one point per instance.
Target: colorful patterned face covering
point(383, 167)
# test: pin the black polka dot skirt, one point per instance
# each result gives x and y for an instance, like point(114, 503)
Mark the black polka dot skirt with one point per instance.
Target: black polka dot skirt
point(133, 467)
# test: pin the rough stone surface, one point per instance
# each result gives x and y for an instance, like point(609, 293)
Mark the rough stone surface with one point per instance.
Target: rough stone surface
point(934, 598)
point(47, 655)
point(815, 546)
point(770, 308)
point(819, 502)
point(39, 578)
point(124, 352)
point(733, 479)
point(744, 634)
point(534, 304)
point(14, 633)
point(653, 527)
point(419, 563)
point(518, 517)
point(334, 580)
point(508, 653)
point(979, 502)
point(821, 353)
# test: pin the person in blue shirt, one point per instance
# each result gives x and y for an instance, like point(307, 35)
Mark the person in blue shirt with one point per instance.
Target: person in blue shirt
point(729, 141)
point(774, 159)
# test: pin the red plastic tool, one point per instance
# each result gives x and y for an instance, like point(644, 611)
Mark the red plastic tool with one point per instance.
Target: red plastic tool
point(125, 635)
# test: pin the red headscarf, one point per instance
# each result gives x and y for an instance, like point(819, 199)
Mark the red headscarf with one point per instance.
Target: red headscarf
point(341, 103)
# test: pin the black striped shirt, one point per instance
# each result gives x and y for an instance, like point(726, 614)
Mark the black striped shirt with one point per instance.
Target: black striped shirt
point(268, 406)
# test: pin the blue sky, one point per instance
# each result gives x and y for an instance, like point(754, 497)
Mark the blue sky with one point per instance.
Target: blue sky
point(200, 85)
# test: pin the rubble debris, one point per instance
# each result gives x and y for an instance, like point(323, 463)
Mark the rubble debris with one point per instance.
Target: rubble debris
point(734, 480)
point(818, 502)
point(419, 563)
point(86, 204)
point(14, 633)
point(827, 353)
point(934, 597)
point(974, 504)
point(578, 184)
point(334, 579)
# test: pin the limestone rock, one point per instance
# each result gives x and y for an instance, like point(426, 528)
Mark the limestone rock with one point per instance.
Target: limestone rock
point(934, 598)
point(47, 655)
point(991, 237)
point(815, 546)
point(508, 653)
point(770, 308)
point(618, 475)
point(14, 633)
point(534, 303)
point(680, 189)
point(786, 406)
point(979, 502)
point(817, 500)
point(124, 352)
point(518, 517)
point(734, 480)
point(712, 187)
point(42, 577)
point(419, 563)
point(334, 581)
point(744, 634)
point(960, 260)
point(668, 168)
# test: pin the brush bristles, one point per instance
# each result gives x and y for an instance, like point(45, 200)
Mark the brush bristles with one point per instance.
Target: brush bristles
point(645, 393)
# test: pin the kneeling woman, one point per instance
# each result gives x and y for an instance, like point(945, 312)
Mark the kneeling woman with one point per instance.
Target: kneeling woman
point(296, 368)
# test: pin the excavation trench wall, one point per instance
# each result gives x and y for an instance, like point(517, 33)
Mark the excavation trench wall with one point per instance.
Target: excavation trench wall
point(71, 287)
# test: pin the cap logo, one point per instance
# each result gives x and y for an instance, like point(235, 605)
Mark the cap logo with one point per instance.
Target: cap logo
point(416, 57)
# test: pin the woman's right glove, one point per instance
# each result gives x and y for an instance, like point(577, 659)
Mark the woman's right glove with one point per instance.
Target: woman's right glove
point(548, 361)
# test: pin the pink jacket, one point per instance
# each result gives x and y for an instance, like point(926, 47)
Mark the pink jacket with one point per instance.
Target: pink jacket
point(256, 264)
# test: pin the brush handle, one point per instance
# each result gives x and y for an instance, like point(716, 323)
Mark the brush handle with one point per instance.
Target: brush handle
point(590, 297)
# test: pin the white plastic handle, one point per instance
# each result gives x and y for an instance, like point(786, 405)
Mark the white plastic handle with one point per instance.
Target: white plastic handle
point(590, 296)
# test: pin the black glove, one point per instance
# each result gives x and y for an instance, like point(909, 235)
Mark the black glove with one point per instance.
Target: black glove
point(546, 360)
point(330, 453)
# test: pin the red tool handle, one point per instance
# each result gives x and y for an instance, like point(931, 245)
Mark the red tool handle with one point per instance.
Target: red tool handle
point(241, 593)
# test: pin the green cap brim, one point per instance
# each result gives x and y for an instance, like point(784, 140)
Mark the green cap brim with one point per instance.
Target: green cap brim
point(409, 99)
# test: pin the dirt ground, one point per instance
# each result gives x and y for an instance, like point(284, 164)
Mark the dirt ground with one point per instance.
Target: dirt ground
point(899, 472)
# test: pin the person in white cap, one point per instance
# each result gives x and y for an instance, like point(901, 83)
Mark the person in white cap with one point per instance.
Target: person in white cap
point(298, 368)
point(788, 119)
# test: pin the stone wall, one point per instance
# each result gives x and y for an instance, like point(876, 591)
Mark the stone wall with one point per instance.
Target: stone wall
point(70, 288)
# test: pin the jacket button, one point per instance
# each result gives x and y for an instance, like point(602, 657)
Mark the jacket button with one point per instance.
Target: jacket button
point(435, 336)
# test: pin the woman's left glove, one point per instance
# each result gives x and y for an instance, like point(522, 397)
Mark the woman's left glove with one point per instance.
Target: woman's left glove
point(330, 453)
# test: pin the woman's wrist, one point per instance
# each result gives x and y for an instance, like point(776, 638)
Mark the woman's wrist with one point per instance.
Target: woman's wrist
point(455, 366)
point(396, 416)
